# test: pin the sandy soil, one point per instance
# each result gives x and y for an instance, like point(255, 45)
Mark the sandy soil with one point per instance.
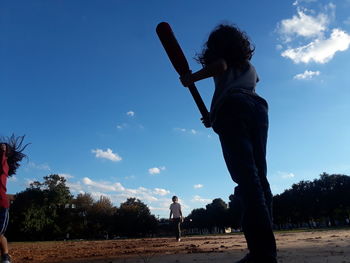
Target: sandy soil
point(298, 247)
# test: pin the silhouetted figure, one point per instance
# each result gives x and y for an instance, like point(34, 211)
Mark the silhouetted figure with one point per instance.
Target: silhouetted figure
point(240, 117)
point(11, 154)
point(176, 213)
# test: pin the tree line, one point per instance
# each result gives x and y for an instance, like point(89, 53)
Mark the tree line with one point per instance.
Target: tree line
point(48, 211)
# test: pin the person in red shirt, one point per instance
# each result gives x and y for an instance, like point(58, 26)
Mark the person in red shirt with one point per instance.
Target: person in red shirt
point(11, 154)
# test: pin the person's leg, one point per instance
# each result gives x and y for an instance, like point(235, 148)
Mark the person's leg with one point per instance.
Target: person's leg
point(234, 128)
point(3, 245)
point(179, 229)
point(260, 133)
point(4, 218)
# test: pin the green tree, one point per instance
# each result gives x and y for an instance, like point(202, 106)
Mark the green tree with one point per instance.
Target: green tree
point(101, 216)
point(218, 215)
point(39, 212)
point(134, 218)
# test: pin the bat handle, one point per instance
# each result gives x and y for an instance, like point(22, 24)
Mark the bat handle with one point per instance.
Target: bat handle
point(200, 104)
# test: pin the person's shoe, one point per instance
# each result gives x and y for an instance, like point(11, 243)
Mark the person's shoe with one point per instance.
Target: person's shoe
point(5, 258)
point(249, 259)
point(246, 259)
point(179, 239)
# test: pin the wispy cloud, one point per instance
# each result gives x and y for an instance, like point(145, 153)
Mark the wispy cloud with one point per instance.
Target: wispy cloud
point(44, 166)
point(308, 74)
point(198, 199)
point(121, 126)
point(285, 175)
point(305, 1)
point(130, 113)
point(156, 170)
point(12, 178)
point(198, 186)
point(161, 192)
point(103, 185)
point(189, 131)
point(66, 176)
point(309, 38)
point(108, 154)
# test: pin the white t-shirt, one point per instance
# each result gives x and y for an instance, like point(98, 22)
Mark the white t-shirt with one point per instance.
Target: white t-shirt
point(232, 80)
point(175, 208)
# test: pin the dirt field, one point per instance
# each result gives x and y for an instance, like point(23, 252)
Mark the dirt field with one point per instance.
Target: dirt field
point(311, 247)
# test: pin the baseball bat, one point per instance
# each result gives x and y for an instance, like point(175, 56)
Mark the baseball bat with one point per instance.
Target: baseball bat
point(179, 61)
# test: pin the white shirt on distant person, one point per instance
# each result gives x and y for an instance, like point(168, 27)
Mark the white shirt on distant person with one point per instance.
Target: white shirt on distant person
point(175, 208)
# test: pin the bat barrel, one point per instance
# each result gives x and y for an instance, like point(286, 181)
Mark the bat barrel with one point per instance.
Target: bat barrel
point(179, 61)
point(172, 48)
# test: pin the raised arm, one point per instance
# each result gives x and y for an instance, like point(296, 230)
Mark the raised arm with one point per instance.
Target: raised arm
point(216, 68)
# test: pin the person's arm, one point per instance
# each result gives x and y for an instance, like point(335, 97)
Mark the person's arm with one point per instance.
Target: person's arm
point(181, 217)
point(216, 68)
point(171, 213)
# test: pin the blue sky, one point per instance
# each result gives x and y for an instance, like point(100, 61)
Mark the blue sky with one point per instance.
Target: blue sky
point(90, 86)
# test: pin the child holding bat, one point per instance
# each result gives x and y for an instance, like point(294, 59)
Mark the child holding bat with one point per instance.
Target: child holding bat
point(11, 154)
point(240, 117)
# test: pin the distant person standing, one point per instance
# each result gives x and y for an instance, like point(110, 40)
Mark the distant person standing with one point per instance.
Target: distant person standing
point(176, 214)
point(240, 117)
point(11, 154)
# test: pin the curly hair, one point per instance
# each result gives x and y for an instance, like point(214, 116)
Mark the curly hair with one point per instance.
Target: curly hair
point(227, 42)
point(14, 149)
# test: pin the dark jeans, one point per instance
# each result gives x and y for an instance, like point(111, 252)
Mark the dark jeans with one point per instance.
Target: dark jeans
point(242, 125)
point(177, 223)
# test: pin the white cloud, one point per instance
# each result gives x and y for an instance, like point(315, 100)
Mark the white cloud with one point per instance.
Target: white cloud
point(189, 131)
point(122, 126)
point(285, 175)
point(44, 166)
point(197, 186)
point(156, 170)
point(156, 198)
point(306, 35)
point(29, 181)
point(75, 187)
point(106, 186)
point(307, 75)
point(180, 129)
point(279, 47)
point(304, 25)
point(108, 154)
point(130, 113)
point(297, 2)
point(320, 50)
point(13, 179)
point(160, 191)
point(159, 209)
point(66, 176)
point(199, 199)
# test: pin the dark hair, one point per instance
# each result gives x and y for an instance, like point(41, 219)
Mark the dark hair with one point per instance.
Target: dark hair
point(14, 149)
point(174, 198)
point(227, 42)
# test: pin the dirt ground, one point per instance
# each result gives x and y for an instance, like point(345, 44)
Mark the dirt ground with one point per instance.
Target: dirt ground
point(331, 246)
